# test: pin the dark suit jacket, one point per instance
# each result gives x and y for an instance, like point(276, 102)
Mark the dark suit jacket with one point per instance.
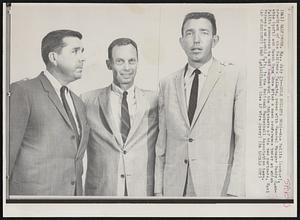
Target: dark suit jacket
point(44, 158)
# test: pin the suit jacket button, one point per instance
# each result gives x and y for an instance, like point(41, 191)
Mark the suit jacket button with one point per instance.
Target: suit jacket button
point(73, 183)
point(191, 139)
point(122, 175)
point(73, 137)
point(124, 152)
point(186, 161)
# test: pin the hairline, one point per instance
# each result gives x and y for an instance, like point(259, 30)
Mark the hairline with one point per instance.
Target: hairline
point(119, 45)
point(214, 29)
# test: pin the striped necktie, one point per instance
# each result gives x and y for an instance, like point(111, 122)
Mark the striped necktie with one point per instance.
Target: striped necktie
point(125, 118)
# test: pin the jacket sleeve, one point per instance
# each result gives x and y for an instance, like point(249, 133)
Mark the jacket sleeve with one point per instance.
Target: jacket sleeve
point(160, 146)
point(19, 111)
point(237, 180)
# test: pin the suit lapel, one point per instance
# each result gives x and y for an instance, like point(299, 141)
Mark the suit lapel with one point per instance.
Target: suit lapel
point(214, 74)
point(179, 81)
point(105, 105)
point(141, 106)
point(54, 98)
point(81, 120)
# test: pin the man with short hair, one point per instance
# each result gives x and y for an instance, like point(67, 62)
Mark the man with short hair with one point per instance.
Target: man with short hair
point(48, 129)
point(124, 127)
point(200, 146)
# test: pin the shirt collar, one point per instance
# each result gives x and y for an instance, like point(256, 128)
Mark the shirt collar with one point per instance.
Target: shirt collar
point(120, 91)
point(204, 68)
point(54, 82)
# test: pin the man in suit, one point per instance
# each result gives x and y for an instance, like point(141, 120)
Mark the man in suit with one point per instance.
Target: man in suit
point(48, 130)
point(200, 146)
point(124, 128)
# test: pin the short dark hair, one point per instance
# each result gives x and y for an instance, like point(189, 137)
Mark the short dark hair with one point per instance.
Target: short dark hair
point(197, 15)
point(121, 42)
point(53, 41)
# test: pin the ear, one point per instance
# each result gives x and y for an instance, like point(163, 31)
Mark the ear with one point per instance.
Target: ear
point(181, 42)
point(215, 40)
point(108, 64)
point(53, 58)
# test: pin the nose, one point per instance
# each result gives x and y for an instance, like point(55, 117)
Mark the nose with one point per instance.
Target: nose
point(126, 66)
point(82, 57)
point(197, 38)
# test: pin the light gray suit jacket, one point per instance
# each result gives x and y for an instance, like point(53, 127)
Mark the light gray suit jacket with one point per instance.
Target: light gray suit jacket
point(213, 145)
point(109, 160)
point(44, 158)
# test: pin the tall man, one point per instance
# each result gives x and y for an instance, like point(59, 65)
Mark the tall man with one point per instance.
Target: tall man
point(200, 147)
point(48, 127)
point(124, 128)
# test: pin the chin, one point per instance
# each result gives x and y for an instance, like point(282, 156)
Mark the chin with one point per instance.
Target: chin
point(197, 59)
point(127, 80)
point(78, 77)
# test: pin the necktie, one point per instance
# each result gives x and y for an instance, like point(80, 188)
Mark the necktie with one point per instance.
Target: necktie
point(125, 118)
point(64, 89)
point(193, 95)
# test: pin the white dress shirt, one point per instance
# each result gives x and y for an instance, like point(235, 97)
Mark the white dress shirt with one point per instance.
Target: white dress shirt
point(56, 85)
point(189, 77)
point(116, 102)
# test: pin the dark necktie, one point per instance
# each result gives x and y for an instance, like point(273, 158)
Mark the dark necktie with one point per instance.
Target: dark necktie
point(125, 118)
point(193, 95)
point(63, 91)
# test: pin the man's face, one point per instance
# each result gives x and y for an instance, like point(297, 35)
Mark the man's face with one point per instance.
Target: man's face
point(123, 64)
point(70, 59)
point(198, 40)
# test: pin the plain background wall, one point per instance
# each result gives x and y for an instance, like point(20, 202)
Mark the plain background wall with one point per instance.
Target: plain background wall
point(155, 28)
point(99, 24)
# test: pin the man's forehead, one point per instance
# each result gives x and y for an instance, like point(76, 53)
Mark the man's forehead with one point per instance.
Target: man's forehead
point(123, 49)
point(72, 41)
point(203, 22)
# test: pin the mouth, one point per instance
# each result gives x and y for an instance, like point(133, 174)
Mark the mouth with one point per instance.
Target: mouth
point(196, 50)
point(128, 75)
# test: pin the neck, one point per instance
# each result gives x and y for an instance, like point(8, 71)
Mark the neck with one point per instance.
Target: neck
point(196, 64)
point(124, 87)
point(58, 76)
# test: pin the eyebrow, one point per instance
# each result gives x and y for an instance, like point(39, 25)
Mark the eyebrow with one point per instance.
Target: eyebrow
point(201, 29)
point(77, 48)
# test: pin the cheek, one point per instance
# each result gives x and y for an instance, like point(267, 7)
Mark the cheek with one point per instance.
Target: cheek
point(188, 43)
point(69, 62)
point(133, 67)
point(208, 44)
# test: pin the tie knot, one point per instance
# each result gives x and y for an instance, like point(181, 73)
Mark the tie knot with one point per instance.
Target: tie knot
point(63, 89)
point(197, 71)
point(125, 93)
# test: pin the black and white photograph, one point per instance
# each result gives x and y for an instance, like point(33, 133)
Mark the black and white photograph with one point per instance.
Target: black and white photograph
point(111, 105)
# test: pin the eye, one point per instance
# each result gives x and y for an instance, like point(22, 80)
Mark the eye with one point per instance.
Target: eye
point(75, 51)
point(119, 61)
point(132, 61)
point(188, 33)
point(205, 32)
